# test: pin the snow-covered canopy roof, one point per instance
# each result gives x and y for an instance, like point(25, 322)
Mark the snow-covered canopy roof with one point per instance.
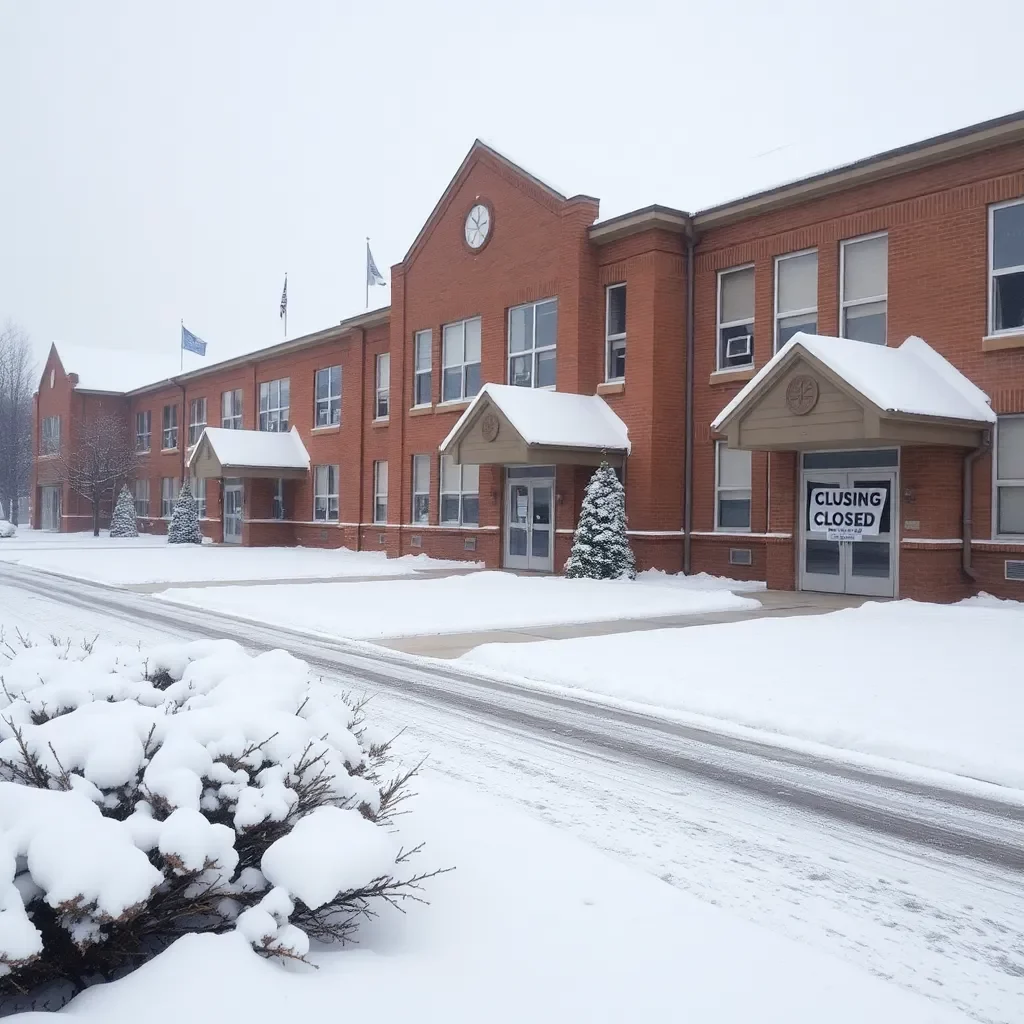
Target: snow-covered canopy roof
point(249, 453)
point(549, 420)
point(912, 379)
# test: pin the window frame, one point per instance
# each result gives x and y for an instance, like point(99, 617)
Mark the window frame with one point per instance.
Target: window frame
point(48, 444)
point(143, 484)
point(998, 483)
point(332, 402)
point(461, 494)
point(382, 393)
point(380, 497)
point(193, 434)
point(533, 351)
point(332, 470)
point(612, 340)
point(721, 445)
point(147, 418)
point(198, 487)
point(427, 335)
point(168, 502)
point(463, 366)
point(169, 430)
point(780, 315)
point(844, 303)
point(993, 273)
point(425, 493)
point(228, 422)
point(720, 365)
point(279, 414)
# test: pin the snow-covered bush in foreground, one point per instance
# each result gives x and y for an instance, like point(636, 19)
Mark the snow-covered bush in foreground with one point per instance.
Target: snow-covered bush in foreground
point(184, 788)
point(7, 529)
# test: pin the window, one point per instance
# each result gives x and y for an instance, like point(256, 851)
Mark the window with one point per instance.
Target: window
point(168, 495)
point(422, 353)
point(615, 332)
point(864, 280)
point(732, 488)
point(49, 441)
point(169, 438)
point(383, 380)
point(198, 485)
point(277, 510)
point(380, 492)
point(143, 431)
point(796, 296)
point(460, 493)
point(460, 360)
point(325, 494)
point(274, 403)
point(532, 336)
point(196, 419)
point(1010, 475)
point(231, 409)
point(1006, 267)
point(735, 318)
point(142, 498)
point(421, 488)
point(328, 397)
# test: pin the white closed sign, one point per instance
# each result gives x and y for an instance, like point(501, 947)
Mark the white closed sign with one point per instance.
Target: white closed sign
point(847, 513)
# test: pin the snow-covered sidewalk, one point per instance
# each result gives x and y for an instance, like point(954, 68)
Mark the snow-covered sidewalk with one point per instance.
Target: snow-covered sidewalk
point(149, 559)
point(460, 604)
point(532, 925)
point(932, 685)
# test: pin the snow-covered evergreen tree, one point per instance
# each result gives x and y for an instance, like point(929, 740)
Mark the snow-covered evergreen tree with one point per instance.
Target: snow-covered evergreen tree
point(184, 525)
point(122, 522)
point(600, 547)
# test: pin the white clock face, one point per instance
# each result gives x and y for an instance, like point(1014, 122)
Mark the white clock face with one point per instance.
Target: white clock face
point(478, 224)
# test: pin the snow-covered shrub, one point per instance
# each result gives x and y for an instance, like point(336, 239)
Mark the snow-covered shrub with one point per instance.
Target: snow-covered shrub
point(122, 522)
point(184, 525)
point(600, 548)
point(7, 529)
point(184, 788)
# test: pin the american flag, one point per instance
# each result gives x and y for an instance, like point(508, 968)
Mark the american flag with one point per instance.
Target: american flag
point(284, 298)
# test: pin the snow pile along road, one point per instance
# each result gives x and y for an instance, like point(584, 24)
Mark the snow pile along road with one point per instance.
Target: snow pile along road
point(184, 787)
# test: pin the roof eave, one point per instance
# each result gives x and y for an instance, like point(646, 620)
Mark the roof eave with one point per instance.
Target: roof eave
point(649, 218)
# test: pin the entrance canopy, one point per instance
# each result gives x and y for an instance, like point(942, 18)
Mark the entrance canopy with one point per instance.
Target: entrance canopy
point(819, 392)
point(506, 424)
point(249, 453)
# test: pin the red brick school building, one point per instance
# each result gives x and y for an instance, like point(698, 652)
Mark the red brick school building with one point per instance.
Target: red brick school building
point(746, 368)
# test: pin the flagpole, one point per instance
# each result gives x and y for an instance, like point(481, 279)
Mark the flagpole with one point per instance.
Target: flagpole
point(286, 306)
point(367, 274)
point(181, 347)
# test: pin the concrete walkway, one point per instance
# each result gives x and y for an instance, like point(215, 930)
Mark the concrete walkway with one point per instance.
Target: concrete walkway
point(774, 603)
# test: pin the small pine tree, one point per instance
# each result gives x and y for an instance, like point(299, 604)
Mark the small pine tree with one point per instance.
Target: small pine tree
point(184, 525)
point(122, 522)
point(600, 547)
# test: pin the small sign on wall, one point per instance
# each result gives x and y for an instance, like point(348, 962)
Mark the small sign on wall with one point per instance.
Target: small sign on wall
point(847, 513)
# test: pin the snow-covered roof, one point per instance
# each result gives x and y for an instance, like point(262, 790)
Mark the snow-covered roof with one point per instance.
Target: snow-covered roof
point(116, 370)
point(554, 418)
point(254, 449)
point(912, 379)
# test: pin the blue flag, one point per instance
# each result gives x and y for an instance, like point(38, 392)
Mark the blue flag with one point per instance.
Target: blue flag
point(191, 343)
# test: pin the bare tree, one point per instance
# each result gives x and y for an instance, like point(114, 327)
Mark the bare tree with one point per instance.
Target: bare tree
point(101, 458)
point(17, 382)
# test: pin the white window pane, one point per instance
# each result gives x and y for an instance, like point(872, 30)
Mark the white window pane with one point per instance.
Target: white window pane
point(470, 479)
point(383, 370)
point(453, 344)
point(738, 295)
point(520, 329)
point(733, 467)
point(423, 340)
point(473, 341)
point(547, 323)
point(449, 474)
point(865, 268)
point(1011, 510)
point(1010, 448)
point(798, 282)
point(421, 473)
point(1008, 237)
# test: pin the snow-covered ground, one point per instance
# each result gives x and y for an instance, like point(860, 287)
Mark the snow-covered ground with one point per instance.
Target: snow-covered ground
point(149, 559)
point(457, 604)
point(901, 680)
point(532, 925)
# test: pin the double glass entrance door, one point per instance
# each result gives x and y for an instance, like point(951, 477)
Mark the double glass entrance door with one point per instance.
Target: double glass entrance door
point(233, 492)
point(866, 566)
point(529, 519)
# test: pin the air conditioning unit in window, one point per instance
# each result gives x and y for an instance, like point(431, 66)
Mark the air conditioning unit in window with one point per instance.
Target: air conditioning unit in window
point(1013, 569)
point(739, 347)
point(741, 556)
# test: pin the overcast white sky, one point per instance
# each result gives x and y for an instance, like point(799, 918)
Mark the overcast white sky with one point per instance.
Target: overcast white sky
point(160, 161)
